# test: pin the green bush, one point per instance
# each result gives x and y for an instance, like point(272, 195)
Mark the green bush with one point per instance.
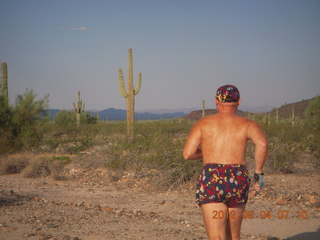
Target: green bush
point(65, 118)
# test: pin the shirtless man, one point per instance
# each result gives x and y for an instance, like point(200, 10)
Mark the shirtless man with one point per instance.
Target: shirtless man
point(223, 186)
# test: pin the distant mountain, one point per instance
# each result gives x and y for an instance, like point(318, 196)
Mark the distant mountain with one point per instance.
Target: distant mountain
point(118, 114)
point(52, 112)
point(112, 114)
point(161, 111)
point(262, 109)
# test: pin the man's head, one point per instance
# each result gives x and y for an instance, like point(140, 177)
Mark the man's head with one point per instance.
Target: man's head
point(228, 93)
point(227, 99)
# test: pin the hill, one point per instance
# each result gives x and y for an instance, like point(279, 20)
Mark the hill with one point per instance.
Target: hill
point(285, 111)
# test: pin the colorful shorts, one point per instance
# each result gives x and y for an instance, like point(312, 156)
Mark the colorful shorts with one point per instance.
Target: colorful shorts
point(226, 183)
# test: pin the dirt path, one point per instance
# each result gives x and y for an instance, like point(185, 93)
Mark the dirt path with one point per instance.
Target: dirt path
point(91, 207)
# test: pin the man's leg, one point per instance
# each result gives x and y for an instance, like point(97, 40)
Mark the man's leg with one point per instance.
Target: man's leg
point(215, 216)
point(234, 222)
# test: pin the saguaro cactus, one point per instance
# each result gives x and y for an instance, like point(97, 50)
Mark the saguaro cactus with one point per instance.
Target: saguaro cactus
point(78, 108)
point(277, 116)
point(4, 90)
point(203, 108)
point(129, 93)
point(293, 121)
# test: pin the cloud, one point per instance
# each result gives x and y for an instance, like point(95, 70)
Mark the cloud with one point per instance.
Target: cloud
point(81, 28)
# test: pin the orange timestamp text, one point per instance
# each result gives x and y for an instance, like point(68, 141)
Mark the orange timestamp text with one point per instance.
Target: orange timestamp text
point(250, 214)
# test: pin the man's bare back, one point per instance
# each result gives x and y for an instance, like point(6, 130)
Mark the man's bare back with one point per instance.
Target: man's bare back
point(223, 138)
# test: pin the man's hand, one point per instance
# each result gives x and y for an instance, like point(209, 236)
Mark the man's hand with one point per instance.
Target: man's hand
point(197, 155)
point(258, 181)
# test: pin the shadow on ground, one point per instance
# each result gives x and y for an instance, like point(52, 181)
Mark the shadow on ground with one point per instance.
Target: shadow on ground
point(306, 236)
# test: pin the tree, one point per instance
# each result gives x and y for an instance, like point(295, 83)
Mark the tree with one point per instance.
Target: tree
point(22, 125)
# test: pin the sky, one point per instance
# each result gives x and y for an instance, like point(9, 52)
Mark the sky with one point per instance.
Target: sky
point(185, 50)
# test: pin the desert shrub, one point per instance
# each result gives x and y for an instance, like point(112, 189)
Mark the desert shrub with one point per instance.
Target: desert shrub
point(60, 160)
point(32, 165)
point(66, 139)
point(282, 155)
point(44, 166)
point(66, 118)
point(10, 164)
point(285, 132)
point(38, 167)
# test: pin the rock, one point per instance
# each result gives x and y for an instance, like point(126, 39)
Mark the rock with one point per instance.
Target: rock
point(299, 197)
point(52, 226)
point(80, 204)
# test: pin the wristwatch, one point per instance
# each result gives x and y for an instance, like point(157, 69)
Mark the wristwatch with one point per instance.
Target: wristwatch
point(257, 176)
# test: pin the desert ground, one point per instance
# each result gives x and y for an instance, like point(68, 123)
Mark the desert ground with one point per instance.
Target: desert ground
point(94, 204)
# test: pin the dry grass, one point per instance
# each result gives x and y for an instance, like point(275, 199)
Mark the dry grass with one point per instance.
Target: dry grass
point(14, 163)
point(34, 166)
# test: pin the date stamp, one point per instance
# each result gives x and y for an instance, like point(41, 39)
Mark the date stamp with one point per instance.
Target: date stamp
point(250, 214)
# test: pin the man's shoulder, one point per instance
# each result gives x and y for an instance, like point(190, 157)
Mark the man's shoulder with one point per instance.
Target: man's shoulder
point(208, 119)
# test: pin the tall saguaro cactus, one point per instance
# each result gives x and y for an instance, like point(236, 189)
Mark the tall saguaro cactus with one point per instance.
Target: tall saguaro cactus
point(78, 108)
point(4, 90)
point(129, 93)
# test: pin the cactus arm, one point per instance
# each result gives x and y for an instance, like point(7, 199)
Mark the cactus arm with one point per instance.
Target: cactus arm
point(74, 107)
point(137, 89)
point(121, 82)
point(83, 107)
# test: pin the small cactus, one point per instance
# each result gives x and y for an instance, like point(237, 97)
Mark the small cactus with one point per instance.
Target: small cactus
point(293, 121)
point(78, 108)
point(203, 108)
point(277, 116)
point(129, 93)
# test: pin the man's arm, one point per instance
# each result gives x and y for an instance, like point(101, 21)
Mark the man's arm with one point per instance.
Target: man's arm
point(192, 149)
point(256, 134)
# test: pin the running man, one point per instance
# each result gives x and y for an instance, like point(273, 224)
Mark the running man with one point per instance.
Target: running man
point(223, 186)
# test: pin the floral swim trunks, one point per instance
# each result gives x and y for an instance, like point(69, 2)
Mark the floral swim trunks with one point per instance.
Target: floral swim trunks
point(226, 183)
